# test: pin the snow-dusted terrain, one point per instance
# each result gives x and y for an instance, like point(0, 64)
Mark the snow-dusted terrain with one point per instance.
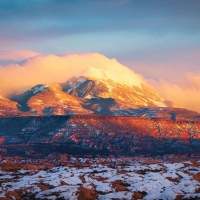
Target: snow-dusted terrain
point(136, 181)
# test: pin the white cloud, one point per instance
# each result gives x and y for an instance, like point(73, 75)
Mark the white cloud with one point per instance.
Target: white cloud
point(52, 68)
point(184, 91)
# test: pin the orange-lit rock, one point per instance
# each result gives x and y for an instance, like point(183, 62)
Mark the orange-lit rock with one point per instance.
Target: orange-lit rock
point(2, 140)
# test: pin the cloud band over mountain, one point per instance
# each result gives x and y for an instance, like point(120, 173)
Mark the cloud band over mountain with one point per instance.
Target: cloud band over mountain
point(51, 68)
point(185, 91)
point(44, 69)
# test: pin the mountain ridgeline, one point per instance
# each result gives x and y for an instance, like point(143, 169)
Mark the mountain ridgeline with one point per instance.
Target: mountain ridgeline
point(82, 96)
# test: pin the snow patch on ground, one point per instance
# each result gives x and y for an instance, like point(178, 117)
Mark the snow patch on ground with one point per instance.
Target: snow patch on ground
point(118, 195)
point(156, 181)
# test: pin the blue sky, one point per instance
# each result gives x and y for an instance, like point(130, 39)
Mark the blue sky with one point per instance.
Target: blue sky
point(153, 37)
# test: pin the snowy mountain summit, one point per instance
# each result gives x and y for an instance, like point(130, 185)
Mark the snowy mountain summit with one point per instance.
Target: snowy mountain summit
point(91, 84)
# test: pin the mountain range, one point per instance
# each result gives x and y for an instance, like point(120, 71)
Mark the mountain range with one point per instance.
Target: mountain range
point(106, 88)
point(103, 109)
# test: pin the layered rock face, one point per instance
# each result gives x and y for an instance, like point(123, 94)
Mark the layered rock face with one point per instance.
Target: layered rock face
point(81, 134)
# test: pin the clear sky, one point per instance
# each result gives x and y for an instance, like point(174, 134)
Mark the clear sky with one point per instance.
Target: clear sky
point(159, 39)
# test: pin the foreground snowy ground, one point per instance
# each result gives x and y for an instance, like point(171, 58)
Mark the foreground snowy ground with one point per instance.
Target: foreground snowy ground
point(137, 181)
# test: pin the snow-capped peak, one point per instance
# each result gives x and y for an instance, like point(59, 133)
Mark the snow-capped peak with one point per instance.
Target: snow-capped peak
point(93, 65)
point(38, 88)
point(113, 70)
